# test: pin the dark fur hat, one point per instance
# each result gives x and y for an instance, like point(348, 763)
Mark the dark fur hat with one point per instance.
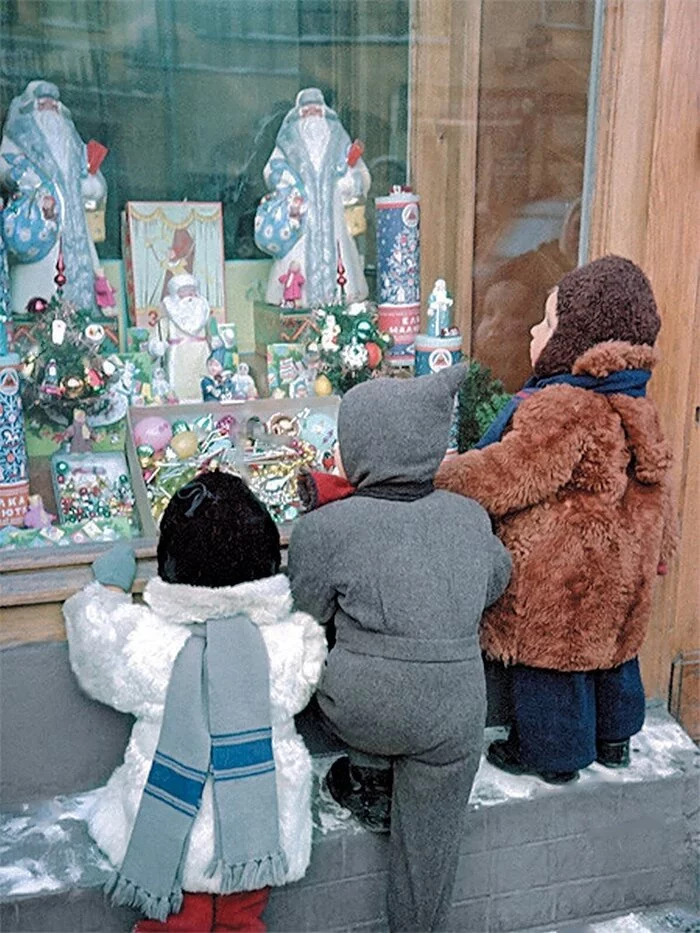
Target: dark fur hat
point(607, 299)
point(215, 532)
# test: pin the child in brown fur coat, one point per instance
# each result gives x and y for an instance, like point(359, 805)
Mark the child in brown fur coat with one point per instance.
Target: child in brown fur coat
point(575, 473)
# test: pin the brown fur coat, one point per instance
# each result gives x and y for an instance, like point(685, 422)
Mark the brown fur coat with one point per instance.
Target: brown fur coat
point(579, 491)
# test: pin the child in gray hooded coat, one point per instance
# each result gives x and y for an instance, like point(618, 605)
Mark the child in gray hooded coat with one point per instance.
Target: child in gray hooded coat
point(404, 572)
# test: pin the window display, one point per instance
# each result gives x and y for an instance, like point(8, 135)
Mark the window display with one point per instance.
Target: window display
point(307, 178)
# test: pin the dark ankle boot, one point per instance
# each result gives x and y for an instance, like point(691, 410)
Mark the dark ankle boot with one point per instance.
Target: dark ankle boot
point(504, 755)
point(613, 754)
point(365, 792)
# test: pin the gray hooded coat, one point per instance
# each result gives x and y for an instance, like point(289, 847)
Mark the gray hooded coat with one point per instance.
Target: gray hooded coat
point(404, 572)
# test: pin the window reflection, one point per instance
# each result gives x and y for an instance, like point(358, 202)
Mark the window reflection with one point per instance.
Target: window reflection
point(535, 61)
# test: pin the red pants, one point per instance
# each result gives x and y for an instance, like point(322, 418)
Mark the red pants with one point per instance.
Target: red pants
point(203, 913)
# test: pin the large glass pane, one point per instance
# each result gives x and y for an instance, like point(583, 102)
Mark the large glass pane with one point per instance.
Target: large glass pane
point(189, 94)
point(533, 95)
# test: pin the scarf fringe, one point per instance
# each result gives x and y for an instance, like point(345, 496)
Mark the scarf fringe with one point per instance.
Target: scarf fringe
point(249, 876)
point(125, 893)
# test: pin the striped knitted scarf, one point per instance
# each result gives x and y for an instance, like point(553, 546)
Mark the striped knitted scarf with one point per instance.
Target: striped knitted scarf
point(216, 724)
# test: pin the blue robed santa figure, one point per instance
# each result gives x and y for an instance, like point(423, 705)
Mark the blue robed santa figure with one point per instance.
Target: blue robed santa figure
point(43, 156)
point(313, 173)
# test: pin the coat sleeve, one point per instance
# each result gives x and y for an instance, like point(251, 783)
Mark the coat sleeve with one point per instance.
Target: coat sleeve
point(296, 650)
point(307, 569)
point(530, 464)
point(121, 653)
point(671, 528)
point(500, 572)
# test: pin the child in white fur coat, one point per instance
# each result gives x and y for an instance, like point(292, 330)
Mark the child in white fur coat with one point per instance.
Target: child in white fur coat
point(218, 556)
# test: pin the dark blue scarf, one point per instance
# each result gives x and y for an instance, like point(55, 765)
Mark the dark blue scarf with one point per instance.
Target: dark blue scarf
point(625, 381)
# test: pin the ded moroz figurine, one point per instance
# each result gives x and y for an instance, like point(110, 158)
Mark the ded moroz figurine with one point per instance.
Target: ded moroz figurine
point(43, 156)
point(314, 172)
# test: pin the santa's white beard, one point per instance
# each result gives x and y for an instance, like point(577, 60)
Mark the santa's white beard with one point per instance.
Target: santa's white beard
point(59, 139)
point(189, 314)
point(315, 132)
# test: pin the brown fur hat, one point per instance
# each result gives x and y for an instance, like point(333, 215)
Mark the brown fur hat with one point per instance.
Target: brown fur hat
point(607, 299)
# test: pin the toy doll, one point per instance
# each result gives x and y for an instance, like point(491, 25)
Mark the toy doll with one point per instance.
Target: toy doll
point(401, 573)
point(575, 473)
point(212, 803)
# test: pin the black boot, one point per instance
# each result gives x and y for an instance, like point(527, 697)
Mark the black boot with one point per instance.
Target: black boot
point(613, 754)
point(503, 754)
point(365, 792)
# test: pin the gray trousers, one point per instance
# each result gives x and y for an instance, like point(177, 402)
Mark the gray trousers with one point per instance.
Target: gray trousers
point(428, 719)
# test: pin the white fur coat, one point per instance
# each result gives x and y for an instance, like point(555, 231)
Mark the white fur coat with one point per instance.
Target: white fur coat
point(122, 654)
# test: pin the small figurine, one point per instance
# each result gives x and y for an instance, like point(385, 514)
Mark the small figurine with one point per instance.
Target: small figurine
point(105, 295)
point(78, 435)
point(439, 309)
point(49, 384)
point(292, 280)
point(36, 515)
point(183, 335)
point(243, 383)
point(217, 385)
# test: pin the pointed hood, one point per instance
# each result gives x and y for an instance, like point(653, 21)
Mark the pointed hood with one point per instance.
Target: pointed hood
point(396, 430)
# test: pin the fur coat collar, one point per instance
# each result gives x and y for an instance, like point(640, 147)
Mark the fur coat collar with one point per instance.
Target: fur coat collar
point(265, 601)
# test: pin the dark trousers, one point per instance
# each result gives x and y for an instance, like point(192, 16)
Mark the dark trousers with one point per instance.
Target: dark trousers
point(559, 716)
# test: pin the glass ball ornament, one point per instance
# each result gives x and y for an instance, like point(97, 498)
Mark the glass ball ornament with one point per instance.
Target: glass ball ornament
point(323, 385)
point(72, 386)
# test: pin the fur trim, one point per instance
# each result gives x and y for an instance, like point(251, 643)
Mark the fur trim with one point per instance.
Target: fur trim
point(265, 601)
point(613, 355)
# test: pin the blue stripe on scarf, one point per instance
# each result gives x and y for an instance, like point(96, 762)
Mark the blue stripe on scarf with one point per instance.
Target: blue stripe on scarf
point(625, 382)
point(244, 736)
point(241, 755)
point(185, 789)
point(166, 798)
point(178, 765)
point(244, 773)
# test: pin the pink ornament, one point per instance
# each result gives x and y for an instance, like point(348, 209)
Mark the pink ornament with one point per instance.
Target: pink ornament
point(36, 305)
point(154, 431)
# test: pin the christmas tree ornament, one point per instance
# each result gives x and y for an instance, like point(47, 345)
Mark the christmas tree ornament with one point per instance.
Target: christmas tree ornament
point(95, 334)
point(154, 431)
point(184, 444)
point(374, 354)
point(36, 306)
point(354, 355)
point(60, 278)
point(323, 385)
point(58, 331)
point(72, 387)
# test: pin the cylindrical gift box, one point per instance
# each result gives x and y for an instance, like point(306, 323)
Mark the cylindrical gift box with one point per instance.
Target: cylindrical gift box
point(436, 353)
point(402, 323)
point(14, 478)
point(398, 248)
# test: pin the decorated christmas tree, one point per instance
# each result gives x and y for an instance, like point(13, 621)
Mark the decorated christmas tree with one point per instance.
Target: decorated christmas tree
point(63, 365)
point(351, 346)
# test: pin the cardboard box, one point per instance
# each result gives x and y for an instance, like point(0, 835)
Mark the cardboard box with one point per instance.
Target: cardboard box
point(263, 409)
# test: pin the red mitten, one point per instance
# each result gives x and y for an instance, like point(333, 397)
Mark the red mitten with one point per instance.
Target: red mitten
point(317, 489)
